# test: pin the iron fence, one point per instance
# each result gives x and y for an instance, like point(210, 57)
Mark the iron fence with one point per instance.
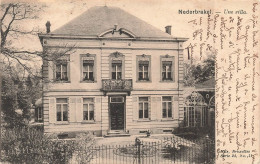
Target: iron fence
point(146, 151)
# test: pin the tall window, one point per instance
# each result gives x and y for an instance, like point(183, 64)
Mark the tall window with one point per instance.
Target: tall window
point(143, 107)
point(167, 107)
point(88, 108)
point(117, 60)
point(88, 67)
point(38, 114)
point(143, 67)
point(62, 109)
point(166, 70)
point(88, 70)
point(117, 69)
point(143, 70)
point(62, 71)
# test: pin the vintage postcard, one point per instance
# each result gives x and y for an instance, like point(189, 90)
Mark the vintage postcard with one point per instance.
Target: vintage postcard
point(127, 81)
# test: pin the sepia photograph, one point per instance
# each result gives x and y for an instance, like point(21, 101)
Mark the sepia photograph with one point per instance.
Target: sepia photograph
point(129, 82)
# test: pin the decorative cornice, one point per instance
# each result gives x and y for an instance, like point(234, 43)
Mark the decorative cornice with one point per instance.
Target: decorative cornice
point(113, 30)
point(79, 37)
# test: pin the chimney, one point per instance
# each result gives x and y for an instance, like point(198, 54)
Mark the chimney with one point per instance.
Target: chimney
point(48, 27)
point(168, 29)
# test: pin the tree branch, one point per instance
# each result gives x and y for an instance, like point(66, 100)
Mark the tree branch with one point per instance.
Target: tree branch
point(6, 11)
point(5, 33)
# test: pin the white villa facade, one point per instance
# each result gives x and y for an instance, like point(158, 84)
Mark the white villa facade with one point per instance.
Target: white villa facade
point(121, 75)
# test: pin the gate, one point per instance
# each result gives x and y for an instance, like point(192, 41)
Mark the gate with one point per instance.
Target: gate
point(166, 151)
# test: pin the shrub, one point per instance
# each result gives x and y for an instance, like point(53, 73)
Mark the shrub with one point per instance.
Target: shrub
point(84, 142)
point(195, 133)
point(29, 145)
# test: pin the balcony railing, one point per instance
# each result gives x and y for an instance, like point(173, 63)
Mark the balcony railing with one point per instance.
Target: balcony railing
point(123, 85)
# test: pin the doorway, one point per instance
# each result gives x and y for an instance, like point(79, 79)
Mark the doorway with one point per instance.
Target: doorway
point(117, 112)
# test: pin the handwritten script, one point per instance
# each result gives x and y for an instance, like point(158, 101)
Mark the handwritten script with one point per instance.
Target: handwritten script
point(234, 38)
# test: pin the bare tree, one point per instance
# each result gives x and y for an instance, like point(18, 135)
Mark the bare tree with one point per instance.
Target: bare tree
point(17, 84)
point(14, 17)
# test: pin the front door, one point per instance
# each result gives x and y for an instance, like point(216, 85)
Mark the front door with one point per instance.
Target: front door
point(117, 113)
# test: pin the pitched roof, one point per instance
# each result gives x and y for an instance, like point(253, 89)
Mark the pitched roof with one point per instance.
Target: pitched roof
point(97, 20)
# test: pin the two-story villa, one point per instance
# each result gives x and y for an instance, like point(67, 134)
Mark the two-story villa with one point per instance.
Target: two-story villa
point(121, 75)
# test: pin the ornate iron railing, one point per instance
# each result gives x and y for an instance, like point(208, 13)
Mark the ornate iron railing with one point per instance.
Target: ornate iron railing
point(109, 85)
point(171, 150)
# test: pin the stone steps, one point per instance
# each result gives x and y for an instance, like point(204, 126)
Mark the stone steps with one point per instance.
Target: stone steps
point(117, 134)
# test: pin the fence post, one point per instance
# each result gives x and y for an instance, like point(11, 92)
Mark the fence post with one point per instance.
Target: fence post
point(207, 148)
point(138, 144)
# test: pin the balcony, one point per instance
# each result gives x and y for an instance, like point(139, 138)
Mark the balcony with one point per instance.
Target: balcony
point(123, 85)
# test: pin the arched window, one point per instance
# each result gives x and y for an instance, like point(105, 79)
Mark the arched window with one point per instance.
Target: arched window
point(212, 102)
point(195, 110)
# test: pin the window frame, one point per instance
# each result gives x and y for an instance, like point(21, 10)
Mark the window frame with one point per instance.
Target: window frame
point(116, 71)
point(89, 57)
point(166, 71)
point(167, 58)
point(140, 58)
point(167, 107)
point(116, 56)
point(38, 114)
point(67, 103)
point(60, 61)
point(143, 106)
point(93, 103)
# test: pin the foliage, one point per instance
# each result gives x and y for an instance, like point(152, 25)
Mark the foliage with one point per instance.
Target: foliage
point(195, 133)
point(18, 92)
point(21, 82)
point(200, 152)
point(198, 73)
point(29, 145)
point(84, 142)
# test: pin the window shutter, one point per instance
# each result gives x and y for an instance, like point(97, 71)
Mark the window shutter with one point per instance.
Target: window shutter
point(154, 108)
point(68, 70)
point(88, 61)
point(173, 69)
point(53, 68)
point(79, 110)
point(72, 110)
point(144, 62)
point(149, 108)
point(175, 107)
point(135, 109)
point(52, 110)
point(116, 61)
point(159, 108)
point(97, 109)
